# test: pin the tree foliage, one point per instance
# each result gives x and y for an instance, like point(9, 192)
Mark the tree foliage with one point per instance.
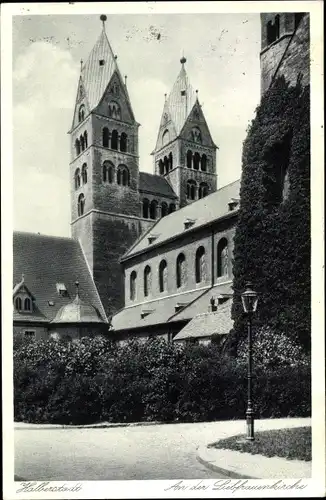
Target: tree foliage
point(95, 380)
point(272, 239)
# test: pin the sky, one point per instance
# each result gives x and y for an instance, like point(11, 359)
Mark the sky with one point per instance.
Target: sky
point(222, 52)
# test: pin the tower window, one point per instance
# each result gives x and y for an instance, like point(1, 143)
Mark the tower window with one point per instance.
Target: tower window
point(172, 208)
point(164, 209)
point(196, 135)
point(161, 167)
point(166, 164)
point(114, 110)
point(222, 258)
point(273, 30)
point(102, 62)
point(165, 137)
point(105, 137)
point(145, 208)
point(123, 176)
point(297, 18)
point(81, 204)
point(153, 209)
point(81, 113)
point(191, 189)
point(84, 173)
point(77, 147)
point(85, 139)
point(77, 179)
point(203, 163)
point(108, 172)
point(123, 142)
point(82, 143)
point(114, 140)
point(196, 161)
point(189, 159)
point(203, 190)
point(133, 279)
point(170, 161)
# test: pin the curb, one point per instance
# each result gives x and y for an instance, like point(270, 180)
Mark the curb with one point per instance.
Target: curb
point(29, 426)
point(216, 468)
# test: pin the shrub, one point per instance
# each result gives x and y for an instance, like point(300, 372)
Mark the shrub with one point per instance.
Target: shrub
point(94, 380)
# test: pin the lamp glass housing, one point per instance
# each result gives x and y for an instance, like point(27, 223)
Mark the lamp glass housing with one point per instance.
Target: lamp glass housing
point(249, 300)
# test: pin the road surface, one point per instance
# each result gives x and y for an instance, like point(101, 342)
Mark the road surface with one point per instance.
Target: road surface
point(120, 453)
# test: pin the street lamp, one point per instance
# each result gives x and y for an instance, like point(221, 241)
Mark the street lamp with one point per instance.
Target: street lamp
point(249, 302)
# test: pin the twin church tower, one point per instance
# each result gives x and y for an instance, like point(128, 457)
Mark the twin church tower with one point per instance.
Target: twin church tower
point(112, 202)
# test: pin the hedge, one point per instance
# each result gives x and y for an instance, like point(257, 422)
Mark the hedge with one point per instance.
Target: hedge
point(272, 238)
point(95, 380)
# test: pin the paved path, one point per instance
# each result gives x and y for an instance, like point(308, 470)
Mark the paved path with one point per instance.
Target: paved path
point(149, 452)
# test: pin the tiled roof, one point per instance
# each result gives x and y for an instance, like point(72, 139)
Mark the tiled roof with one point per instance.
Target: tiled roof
point(209, 323)
point(46, 261)
point(155, 184)
point(161, 311)
point(95, 77)
point(181, 100)
point(77, 312)
point(203, 211)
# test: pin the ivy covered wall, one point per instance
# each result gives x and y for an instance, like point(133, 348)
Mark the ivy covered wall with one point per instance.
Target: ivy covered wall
point(272, 239)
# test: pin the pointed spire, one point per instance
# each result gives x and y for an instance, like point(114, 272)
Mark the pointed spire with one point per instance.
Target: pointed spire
point(103, 19)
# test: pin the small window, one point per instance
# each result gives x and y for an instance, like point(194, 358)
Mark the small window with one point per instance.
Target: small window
point(222, 258)
point(61, 289)
point(133, 279)
point(102, 62)
point(181, 270)
point(166, 137)
point(18, 304)
point(30, 334)
point(147, 281)
point(81, 204)
point(27, 304)
point(153, 209)
point(163, 276)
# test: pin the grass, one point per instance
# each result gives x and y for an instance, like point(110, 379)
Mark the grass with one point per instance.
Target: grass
point(292, 444)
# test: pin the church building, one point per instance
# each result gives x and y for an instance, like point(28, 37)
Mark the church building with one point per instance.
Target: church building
point(151, 253)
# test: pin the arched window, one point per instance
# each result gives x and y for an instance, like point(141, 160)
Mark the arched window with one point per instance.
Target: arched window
point(171, 208)
point(191, 189)
point(77, 178)
point(114, 110)
point(27, 304)
point(147, 281)
point(77, 147)
point(108, 172)
point(164, 209)
point(123, 176)
point(200, 265)
point(82, 142)
point(196, 135)
point(203, 163)
point(163, 275)
point(105, 137)
point(181, 270)
point(145, 208)
point(133, 279)
point(222, 258)
point(170, 161)
point(114, 140)
point(165, 137)
point(166, 165)
point(203, 190)
point(81, 204)
point(153, 209)
point(81, 113)
point(85, 139)
point(123, 142)
point(18, 303)
point(189, 159)
point(84, 173)
point(161, 167)
point(196, 161)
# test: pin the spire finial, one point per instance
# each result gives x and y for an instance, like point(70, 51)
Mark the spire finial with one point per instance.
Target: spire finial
point(165, 97)
point(125, 80)
point(103, 19)
point(81, 64)
point(196, 93)
point(77, 289)
point(183, 60)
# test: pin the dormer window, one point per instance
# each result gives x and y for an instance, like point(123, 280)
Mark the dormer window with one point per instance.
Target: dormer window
point(180, 306)
point(18, 304)
point(146, 312)
point(62, 290)
point(152, 238)
point(102, 62)
point(233, 204)
point(51, 303)
point(189, 223)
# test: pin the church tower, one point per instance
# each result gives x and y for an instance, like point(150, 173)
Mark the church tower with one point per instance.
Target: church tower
point(284, 47)
point(185, 153)
point(104, 173)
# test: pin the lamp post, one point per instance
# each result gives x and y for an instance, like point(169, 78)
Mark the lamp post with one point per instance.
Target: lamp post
point(249, 302)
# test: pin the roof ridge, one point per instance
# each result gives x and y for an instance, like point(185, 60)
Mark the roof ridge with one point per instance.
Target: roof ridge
point(43, 235)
